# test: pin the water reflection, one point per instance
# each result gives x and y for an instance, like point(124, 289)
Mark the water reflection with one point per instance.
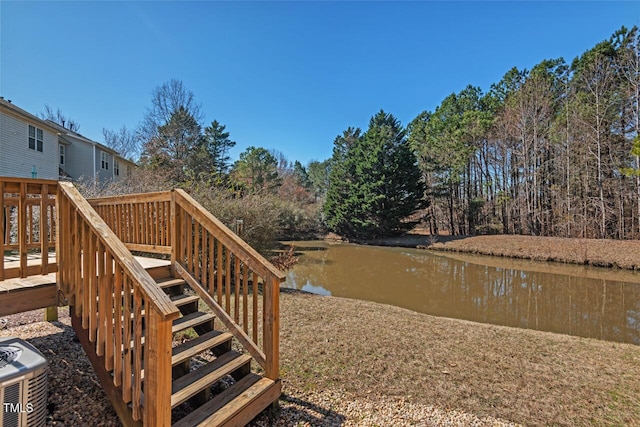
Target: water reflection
point(575, 300)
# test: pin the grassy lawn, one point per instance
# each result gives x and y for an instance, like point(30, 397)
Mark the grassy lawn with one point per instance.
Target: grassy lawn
point(378, 352)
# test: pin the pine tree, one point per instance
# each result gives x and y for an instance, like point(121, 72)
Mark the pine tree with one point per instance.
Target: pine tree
point(215, 146)
point(301, 176)
point(173, 146)
point(318, 173)
point(256, 171)
point(339, 206)
point(375, 183)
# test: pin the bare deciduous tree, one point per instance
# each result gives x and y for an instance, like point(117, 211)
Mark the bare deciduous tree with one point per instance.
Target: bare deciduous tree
point(58, 117)
point(124, 141)
point(166, 99)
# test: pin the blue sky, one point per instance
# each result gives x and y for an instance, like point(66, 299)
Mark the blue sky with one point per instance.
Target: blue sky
point(282, 75)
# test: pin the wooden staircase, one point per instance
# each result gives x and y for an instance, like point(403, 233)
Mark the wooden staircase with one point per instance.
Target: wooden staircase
point(194, 342)
point(202, 361)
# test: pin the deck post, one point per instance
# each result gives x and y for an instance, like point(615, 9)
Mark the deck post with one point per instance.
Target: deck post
point(44, 229)
point(51, 314)
point(59, 237)
point(3, 233)
point(22, 229)
point(173, 221)
point(271, 319)
point(157, 368)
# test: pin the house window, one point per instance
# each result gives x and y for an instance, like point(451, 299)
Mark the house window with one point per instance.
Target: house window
point(35, 138)
point(62, 154)
point(116, 167)
point(104, 160)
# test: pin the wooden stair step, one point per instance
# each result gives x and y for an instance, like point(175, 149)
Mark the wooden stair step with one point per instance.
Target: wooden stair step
point(193, 347)
point(198, 345)
point(159, 272)
point(195, 381)
point(182, 299)
point(181, 324)
point(191, 320)
point(164, 283)
point(169, 282)
point(237, 405)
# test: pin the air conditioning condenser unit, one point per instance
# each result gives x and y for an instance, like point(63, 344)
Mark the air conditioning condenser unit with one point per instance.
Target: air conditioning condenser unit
point(23, 384)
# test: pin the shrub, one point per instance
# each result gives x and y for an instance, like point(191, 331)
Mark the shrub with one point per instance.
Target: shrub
point(264, 216)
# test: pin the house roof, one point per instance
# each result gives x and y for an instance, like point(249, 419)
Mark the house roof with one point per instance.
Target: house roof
point(64, 134)
point(62, 140)
point(13, 110)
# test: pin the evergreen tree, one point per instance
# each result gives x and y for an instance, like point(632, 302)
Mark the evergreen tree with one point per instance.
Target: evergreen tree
point(215, 147)
point(375, 182)
point(173, 147)
point(301, 176)
point(550, 151)
point(318, 173)
point(256, 170)
point(341, 195)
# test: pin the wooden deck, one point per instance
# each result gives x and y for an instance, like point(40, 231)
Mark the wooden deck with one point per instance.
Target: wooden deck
point(29, 293)
point(40, 291)
point(127, 310)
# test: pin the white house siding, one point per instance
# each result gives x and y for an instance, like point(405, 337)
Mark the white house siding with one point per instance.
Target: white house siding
point(78, 163)
point(102, 174)
point(17, 159)
point(83, 156)
point(125, 167)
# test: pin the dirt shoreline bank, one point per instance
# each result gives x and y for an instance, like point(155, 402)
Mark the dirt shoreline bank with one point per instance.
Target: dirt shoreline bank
point(623, 254)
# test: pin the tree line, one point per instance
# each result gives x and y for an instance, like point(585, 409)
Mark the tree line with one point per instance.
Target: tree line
point(554, 150)
point(273, 196)
point(172, 142)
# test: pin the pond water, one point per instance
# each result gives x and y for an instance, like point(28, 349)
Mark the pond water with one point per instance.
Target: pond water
point(568, 299)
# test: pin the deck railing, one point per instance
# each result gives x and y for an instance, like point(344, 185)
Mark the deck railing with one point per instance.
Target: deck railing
point(240, 286)
point(109, 290)
point(141, 221)
point(230, 276)
point(27, 225)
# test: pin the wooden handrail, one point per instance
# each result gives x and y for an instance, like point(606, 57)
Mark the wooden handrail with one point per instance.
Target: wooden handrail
point(141, 221)
point(157, 196)
point(30, 181)
point(226, 272)
point(224, 317)
point(250, 256)
point(150, 290)
point(220, 267)
point(109, 291)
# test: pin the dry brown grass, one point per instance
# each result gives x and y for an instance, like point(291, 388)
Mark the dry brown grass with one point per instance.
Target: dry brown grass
point(623, 254)
point(604, 253)
point(383, 352)
point(336, 351)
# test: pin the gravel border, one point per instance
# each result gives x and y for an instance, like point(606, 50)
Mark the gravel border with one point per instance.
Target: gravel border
point(75, 395)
